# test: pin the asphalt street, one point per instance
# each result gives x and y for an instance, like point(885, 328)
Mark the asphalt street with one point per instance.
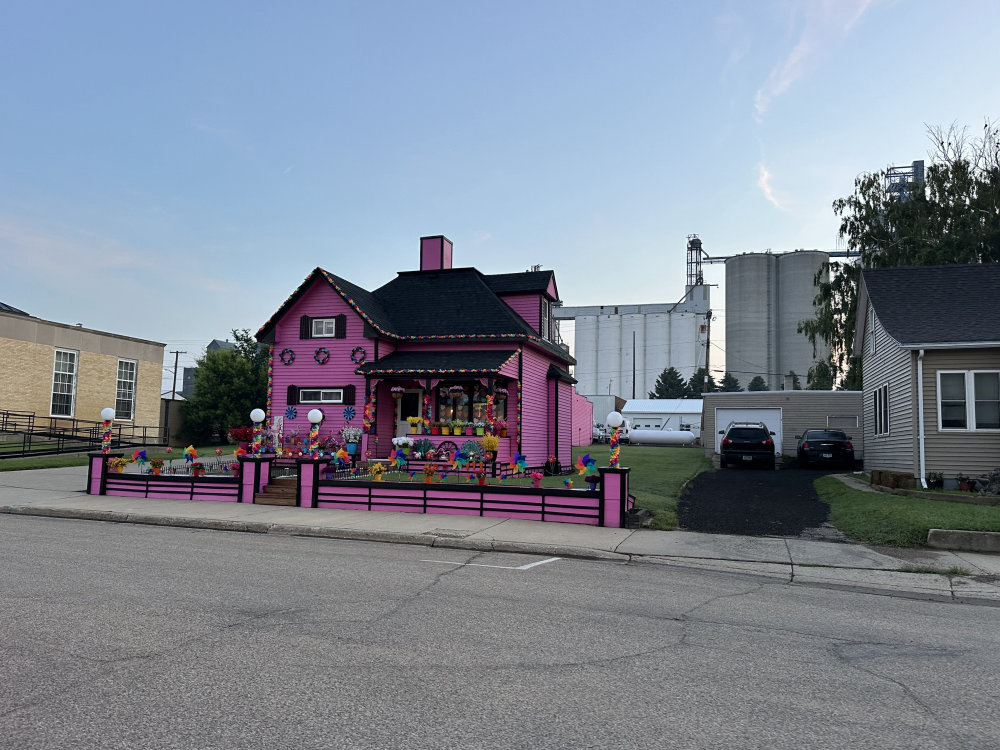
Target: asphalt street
point(131, 636)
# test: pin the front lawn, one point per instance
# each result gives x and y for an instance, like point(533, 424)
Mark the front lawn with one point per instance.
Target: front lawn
point(880, 518)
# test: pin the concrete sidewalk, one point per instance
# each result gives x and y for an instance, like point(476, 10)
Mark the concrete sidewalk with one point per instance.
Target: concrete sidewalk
point(60, 493)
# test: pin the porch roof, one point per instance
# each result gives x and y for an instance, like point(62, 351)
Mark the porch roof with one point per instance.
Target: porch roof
point(448, 362)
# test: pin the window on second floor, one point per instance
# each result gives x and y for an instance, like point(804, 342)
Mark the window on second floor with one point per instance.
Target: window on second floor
point(125, 389)
point(321, 396)
point(329, 327)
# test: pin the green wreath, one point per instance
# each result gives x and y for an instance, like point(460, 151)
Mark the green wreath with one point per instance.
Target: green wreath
point(358, 355)
point(287, 356)
point(322, 355)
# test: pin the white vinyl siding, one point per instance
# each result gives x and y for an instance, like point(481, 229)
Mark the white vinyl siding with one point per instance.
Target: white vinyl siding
point(64, 383)
point(125, 390)
point(890, 418)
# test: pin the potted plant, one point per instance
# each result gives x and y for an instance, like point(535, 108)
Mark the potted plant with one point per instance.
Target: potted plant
point(242, 436)
point(457, 426)
point(351, 437)
point(935, 480)
point(500, 427)
point(414, 423)
point(490, 445)
point(500, 393)
point(197, 468)
point(552, 466)
point(966, 484)
point(480, 427)
point(156, 465)
point(397, 391)
point(435, 428)
point(376, 471)
point(118, 464)
point(536, 479)
point(404, 442)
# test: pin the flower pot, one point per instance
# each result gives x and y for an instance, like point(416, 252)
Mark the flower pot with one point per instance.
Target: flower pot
point(198, 472)
point(967, 486)
point(397, 395)
point(156, 470)
point(413, 429)
point(351, 448)
point(482, 481)
point(435, 430)
point(536, 483)
point(480, 431)
point(470, 431)
point(446, 430)
point(503, 432)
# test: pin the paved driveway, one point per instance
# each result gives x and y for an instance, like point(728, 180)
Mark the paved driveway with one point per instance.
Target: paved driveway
point(750, 501)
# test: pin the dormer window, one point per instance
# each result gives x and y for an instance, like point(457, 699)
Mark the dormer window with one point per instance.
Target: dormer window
point(334, 327)
point(546, 313)
point(324, 327)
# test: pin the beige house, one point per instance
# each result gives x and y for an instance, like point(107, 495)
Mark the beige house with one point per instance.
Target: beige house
point(63, 373)
point(929, 341)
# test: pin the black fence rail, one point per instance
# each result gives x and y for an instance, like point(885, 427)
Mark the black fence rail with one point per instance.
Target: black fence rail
point(27, 434)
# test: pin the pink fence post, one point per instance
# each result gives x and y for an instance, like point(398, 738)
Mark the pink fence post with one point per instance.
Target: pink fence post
point(614, 497)
point(308, 479)
point(97, 472)
point(255, 475)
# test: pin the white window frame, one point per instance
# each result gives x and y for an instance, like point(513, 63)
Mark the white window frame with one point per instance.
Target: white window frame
point(324, 396)
point(545, 324)
point(872, 316)
point(325, 323)
point(880, 414)
point(122, 387)
point(72, 381)
point(969, 377)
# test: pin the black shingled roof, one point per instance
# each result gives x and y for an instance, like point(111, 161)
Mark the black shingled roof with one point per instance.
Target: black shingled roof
point(526, 282)
point(937, 304)
point(8, 309)
point(487, 360)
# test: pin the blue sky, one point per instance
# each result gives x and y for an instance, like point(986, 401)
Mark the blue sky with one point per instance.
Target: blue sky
point(173, 170)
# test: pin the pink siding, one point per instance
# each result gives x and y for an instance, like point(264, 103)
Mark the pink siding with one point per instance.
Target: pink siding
point(536, 420)
point(320, 300)
point(565, 450)
point(525, 305)
point(583, 420)
point(552, 288)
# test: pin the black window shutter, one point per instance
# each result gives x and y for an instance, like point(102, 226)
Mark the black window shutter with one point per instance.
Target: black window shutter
point(340, 331)
point(305, 327)
point(293, 395)
point(348, 394)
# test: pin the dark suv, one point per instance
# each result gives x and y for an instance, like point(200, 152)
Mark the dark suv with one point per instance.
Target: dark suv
point(746, 443)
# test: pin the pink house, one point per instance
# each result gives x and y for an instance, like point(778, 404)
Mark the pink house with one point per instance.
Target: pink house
point(441, 344)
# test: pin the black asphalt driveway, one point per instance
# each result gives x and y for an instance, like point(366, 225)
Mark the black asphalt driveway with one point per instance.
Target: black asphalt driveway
point(753, 502)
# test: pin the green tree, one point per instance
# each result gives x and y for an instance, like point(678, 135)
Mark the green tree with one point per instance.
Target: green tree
point(696, 385)
point(953, 216)
point(729, 383)
point(228, 385)
point(670, 384)
point(796, 383)
point(757, 384)
point(820, 377)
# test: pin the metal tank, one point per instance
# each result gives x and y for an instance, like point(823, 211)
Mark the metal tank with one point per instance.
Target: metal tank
point(750, 318)
point(796, 291)
point(585, 352)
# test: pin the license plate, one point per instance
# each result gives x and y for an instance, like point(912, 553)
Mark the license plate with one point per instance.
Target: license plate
point(827, 455)
point(748, 458)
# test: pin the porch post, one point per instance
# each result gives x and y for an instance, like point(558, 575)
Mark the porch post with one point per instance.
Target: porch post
point(614, 497)
point(308, 480)
point(97, 472)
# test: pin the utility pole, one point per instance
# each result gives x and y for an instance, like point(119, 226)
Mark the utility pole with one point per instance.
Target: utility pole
point(173, 395)
point(708, 341)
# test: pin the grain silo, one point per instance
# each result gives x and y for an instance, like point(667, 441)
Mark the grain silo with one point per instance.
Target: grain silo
point(767, 296)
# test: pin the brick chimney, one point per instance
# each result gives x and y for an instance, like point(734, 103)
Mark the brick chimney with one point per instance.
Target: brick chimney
point(435, 253)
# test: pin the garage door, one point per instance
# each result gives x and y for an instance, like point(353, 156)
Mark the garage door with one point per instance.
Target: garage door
point(770, 416)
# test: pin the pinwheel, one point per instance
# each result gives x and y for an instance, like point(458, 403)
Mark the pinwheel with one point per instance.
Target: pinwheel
point(341, 457)
point(399, 459)
point(190, 454)
point(567, 483)
point(521, 462)
point(460, 460)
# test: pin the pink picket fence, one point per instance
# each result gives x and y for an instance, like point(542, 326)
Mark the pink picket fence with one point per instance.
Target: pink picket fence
point(606, 506)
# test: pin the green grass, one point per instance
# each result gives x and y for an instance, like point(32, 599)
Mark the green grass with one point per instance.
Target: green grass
point(880, 518)
point(80, 459)
point(657, 475)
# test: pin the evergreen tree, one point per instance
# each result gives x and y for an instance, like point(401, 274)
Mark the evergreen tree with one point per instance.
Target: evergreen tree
point(228, 385)
point(729, 383)
point(796, 383)
point(696, 385)
point(820, 377)
point(757, 384)
point(670, 384)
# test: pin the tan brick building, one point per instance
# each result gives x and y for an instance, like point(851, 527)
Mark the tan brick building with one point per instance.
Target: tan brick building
point(70, 372)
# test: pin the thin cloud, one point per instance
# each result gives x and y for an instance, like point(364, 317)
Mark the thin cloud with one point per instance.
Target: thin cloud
point(825, 23)
point(764, 183)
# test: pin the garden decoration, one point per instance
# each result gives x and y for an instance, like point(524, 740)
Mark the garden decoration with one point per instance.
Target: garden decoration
point(349, 413)
point(287, 356)
point(460, 460)
point(500, 393)
point(367, 414)
point(341, 457)
point(428, 473)
point(269, 400)
point(489, 412)
point(291, 412)
point(397, 391)
point(218, 451)
point(168, 450)
point(428, 406)
point(322, 355)
point(536, 479)
point(257, 416)
point(315, 416)
point(358, 355)
point(399, 459)
point(521, 462)
point(614, 421)
point(156, 465)
point(107, 414)
point(139, 457)
point(118, 463)
point(376, 471)
point(568, 483)
point(190, 454)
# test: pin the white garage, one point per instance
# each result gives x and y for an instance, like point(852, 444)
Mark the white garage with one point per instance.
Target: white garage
point(771, 416)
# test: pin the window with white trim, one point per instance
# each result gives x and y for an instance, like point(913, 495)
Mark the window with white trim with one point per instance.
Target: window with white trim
point(969, 400)
point(321, 395)
point(871, 317)
point(64, 383)
point(880, 404)
point(324, 328)
point(125, 389)
point(545, 315)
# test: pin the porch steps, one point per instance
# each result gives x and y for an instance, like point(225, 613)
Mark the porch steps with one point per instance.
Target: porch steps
point(281, 491)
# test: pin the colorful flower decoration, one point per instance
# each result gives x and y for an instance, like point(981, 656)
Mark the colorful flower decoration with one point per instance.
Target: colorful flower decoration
point(290, 412)
point(358, 355)
point(349, 413)
point(322, 355)
point(287, 356)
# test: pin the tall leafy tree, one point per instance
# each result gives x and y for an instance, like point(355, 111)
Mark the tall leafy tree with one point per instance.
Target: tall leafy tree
point(757, 384)
point(696, 385)
point(228, 385)
point(670, 384)
point(953, 216)
point(729, 383)
point(820, 376)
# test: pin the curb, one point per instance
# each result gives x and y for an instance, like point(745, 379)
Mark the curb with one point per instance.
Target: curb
point(965, 541)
